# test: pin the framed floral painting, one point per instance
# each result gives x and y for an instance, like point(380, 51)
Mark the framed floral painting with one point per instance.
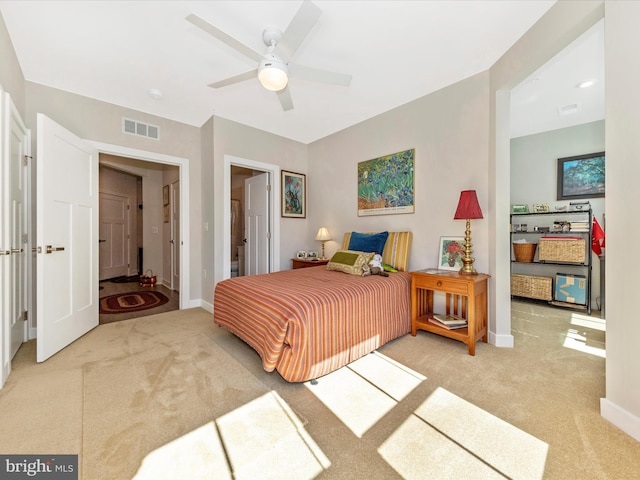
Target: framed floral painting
point(294, 202)
point(451, 252)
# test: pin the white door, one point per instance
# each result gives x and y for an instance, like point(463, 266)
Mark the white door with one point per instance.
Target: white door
point(256, 198)
point(114, 236)
point(18, 234)
point(175, 236)
point(67, 237)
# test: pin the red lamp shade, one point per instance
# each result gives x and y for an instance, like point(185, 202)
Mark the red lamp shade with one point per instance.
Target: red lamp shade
point(468, 206)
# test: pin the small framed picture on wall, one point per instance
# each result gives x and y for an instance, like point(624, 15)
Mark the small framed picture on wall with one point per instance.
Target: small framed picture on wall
point(294, 201)
point(165, 195)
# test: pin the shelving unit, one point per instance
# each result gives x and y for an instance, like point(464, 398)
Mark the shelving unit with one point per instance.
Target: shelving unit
point(538, 271)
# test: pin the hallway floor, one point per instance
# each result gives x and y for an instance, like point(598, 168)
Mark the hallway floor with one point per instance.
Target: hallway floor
point(111, 288)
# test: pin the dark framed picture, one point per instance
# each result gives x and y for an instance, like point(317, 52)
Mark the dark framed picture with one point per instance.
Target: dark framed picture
point(294, 189)
point(581, 176)
point(165, 195)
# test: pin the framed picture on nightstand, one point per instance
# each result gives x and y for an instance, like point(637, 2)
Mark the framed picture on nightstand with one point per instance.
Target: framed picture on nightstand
point(301, 254)
point(451, 251)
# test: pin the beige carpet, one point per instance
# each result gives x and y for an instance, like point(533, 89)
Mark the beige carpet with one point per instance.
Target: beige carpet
point(174, 396)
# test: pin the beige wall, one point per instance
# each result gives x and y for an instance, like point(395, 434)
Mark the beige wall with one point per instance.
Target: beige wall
point(102, 122)
point(11, 77)
point(449, 131)
point(231, 138)
point(622, 37)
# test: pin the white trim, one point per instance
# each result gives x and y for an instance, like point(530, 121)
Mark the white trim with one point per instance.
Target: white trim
point(274, 197)
point(185, 239)
point(208, 306)
point(621, 418)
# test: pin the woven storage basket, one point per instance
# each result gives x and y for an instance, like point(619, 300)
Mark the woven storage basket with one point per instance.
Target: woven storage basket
point(524, 252)
point(532, 286)
point(571, 250)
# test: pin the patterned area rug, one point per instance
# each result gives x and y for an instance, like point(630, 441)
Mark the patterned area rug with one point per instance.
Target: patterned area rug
point(131, 302)
point(129, 279)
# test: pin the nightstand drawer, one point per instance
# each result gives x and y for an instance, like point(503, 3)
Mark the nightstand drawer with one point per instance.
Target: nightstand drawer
point(440, 283)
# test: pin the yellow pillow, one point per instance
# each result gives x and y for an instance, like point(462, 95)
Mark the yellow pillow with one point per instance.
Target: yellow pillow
point(349, 261)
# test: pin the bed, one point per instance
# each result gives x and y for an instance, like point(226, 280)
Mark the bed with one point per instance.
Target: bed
point(308, 322)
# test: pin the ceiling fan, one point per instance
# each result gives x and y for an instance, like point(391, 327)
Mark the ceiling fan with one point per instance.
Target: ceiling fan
point(273, 68)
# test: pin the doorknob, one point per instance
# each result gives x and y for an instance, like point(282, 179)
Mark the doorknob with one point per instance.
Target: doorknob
point(5, 252)
point(16, 250)
point(51, 249)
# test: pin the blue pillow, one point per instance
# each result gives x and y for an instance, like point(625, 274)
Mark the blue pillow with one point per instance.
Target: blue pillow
point(368, 242)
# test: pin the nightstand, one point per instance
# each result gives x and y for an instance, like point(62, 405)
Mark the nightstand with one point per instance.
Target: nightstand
point(466, 296)
point(305, 262)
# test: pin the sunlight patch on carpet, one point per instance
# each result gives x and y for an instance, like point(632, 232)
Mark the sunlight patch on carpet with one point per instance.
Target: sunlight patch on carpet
point(374, 377)
point(576, 341)
point(265, 439)
point(468, 442)
point(197, 454)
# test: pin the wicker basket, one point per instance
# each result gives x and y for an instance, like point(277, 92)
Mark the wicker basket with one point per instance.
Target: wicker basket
point(570, 250)
point(524, 252)
point(532, 286)
point(148, 279)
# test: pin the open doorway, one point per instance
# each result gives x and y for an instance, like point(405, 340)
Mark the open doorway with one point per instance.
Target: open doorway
point(238, 171)
point(139, 230)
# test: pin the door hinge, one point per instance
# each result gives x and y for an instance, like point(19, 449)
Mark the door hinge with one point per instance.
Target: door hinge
point(26, 160)
point(269, 235)
point(128, 207)
point(268, 187)
point(26, 315)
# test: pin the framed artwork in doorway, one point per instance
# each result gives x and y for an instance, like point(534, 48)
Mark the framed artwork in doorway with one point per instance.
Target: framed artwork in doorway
point(581, 176)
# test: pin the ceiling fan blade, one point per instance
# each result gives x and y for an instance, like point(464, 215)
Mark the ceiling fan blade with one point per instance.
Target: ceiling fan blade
point(302, 23)
point(224, 37)
point(323, 76)
point(284, 96)
point(251, 74)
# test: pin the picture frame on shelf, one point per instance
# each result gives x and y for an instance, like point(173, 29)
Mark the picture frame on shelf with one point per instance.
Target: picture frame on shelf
point(519, 208)
point(301, 254)
point(450, 253)
point(541, 208)
point(294, 191)
point(581, 176)
point(312, 254)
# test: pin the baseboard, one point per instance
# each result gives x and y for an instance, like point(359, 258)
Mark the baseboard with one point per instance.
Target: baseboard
point(206, 305)
point(624, 420)
point(504, 341)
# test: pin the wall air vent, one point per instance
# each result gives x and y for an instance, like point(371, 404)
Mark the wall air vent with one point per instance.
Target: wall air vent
point(134, 127)
point(568, 109)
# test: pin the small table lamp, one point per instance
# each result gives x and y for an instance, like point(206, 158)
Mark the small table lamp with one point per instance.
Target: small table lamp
point(468, 208)
point(323, 236)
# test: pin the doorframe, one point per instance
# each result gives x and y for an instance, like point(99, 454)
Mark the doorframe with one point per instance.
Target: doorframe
point(274, 207)
point(183, 176)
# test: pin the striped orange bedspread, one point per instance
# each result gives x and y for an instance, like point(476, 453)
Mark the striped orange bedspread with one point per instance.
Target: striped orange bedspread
point(308, 322)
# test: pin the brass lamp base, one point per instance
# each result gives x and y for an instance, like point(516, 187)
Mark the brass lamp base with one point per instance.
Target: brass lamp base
point(467, 259)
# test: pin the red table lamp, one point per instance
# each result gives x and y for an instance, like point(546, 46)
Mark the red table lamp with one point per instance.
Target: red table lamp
point(468, 208)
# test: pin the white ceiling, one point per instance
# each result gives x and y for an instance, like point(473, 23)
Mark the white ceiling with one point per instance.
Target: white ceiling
point(397, 51)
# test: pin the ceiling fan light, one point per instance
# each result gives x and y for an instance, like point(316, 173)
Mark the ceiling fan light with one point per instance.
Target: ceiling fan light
point(273, 74)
